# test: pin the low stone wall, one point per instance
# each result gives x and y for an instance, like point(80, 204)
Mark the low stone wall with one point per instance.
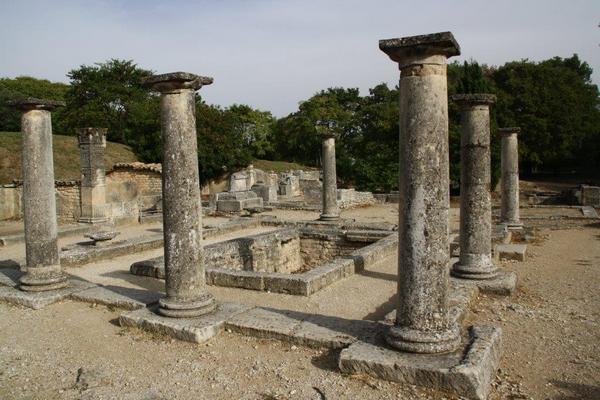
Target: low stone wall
point(348, 198)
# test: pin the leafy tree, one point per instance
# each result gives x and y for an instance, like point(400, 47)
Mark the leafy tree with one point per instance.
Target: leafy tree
point(25, 86)
point(105, 94)
point(255, 128)
point(556, 106)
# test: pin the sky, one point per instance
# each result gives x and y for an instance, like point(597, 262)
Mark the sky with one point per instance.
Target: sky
point(273, 54)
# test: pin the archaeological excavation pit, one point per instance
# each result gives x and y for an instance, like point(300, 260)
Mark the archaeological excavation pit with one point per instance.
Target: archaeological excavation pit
point(291, 260)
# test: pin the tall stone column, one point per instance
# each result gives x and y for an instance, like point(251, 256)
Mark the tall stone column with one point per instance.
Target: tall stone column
point(331, 211)
point(92, 142)
point(184, 269)
point(475, 260)
point(39, 200)
point(509, 208)
point(422, 320)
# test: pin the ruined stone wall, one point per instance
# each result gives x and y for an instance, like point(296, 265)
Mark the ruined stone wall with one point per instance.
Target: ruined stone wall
point(68, 200)
point(348, 198)
point(268, 252)
point(10, 202)
point(318, 248)
point(131, 188)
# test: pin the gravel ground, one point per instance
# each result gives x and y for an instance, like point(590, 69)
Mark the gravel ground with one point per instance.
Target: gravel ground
point(73, 350)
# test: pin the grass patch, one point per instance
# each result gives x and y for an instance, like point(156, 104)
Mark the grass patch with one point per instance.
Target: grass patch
point(66, 156)
point(278, 166)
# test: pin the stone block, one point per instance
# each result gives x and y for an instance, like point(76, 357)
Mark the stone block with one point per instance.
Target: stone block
point(511, 251)
point(267, 193)
point(264, 323)
point(503, 284)
point(116, 296)
point(196, 330)
point(241, 279)
point(467, 372)
point(286, 283)
point(38, 300)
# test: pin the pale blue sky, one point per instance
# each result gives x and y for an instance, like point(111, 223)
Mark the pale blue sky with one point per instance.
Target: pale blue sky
point(273, 54)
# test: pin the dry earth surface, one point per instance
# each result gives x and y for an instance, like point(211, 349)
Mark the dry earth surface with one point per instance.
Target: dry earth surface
point(75, 350)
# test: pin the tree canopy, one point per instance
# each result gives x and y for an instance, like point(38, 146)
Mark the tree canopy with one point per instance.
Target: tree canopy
point(553, 101)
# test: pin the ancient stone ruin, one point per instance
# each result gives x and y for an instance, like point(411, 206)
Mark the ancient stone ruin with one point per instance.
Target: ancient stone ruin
point(422, 340)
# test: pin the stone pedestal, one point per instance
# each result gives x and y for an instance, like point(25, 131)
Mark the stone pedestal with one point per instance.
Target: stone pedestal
point(39, 202)
point(475, 260)
point(92, 143)
point(331, 211)
point(186, 294)
point(422, 323)
point(509, 208)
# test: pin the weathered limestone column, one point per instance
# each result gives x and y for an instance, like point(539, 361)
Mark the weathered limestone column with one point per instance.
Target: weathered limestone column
point(92, 142)
point(422, 320)
point(509, 208)
point(39, 202)
point(184, 269)
point(331, 211)
point(475, 260)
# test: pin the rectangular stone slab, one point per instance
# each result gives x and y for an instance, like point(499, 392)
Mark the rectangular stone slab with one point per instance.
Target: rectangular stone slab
point(38, 300)
point(504, 284)
point(511, 251)
point(196, 330)
point(467, 372)
point(120, 297)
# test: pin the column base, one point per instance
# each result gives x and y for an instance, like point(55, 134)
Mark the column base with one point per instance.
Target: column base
point(329, 217)
point(42, 279)
point(170, 307)
point(416, 341)
point(477, 271)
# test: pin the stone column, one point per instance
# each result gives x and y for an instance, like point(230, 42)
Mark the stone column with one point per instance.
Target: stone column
point(475, 260)
point(184, 269)
point(39, 200)
point(422, 319)
point(509, 209)
point(331, 212)
point(92, 142)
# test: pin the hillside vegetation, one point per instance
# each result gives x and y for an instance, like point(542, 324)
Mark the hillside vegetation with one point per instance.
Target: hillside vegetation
point(66, 157)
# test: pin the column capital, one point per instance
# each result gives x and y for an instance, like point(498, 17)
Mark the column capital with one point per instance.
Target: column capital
point(412, 49)
point(91, 135)
point(174, 81)
point(32, 103)
point(466, 100)
point(509, 131)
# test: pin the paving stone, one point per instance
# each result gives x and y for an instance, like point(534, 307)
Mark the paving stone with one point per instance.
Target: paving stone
point(38, 300)
point(115, 296)
point(196, 330)
point(265, 323)
point(467, 372)
point(511, 251)
point(332, 332)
